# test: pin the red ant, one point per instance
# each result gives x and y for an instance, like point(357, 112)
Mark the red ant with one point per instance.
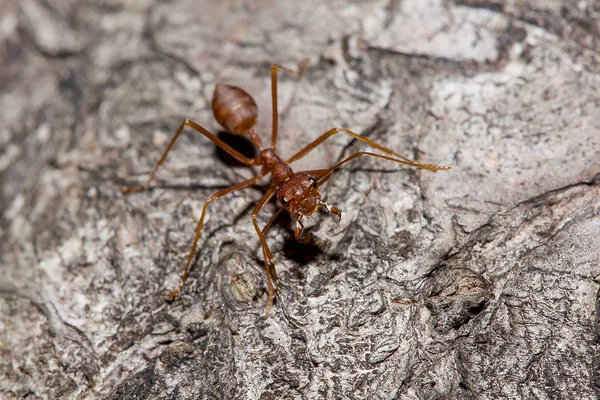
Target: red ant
point(297, 192)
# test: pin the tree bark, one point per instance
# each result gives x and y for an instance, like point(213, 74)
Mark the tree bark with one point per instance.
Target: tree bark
point(478, 282)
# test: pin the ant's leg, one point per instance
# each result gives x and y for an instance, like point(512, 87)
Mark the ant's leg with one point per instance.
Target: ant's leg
point(228, 149)
point(320, 174)
point(323, 175)
point(267, 253)
point(273, 218)
point(268, 257)
point(212, 198)
point(274, 69)
point(317, 173)
point(401, 159)
point(327, 173)
point(266, 229)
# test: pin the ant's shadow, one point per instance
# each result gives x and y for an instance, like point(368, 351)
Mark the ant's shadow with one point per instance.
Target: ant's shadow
point(239, 143)
point(302, 253)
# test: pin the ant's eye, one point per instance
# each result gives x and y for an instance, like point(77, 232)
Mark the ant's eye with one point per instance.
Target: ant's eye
point(284, 200)
point(313, 183)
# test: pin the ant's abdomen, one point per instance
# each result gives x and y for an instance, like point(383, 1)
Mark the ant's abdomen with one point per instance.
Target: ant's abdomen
point(235, 109)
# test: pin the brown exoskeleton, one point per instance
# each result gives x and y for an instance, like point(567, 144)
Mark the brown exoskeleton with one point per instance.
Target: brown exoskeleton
point(297, 192)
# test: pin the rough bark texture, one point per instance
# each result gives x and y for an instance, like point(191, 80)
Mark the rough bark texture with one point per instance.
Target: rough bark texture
point(480, 282)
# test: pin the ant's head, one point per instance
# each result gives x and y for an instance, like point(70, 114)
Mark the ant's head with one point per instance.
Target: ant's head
point(301, 197)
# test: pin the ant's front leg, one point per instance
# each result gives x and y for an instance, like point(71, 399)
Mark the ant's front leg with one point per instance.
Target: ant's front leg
point(398, 158)
point(192, 252)
point(272, 287)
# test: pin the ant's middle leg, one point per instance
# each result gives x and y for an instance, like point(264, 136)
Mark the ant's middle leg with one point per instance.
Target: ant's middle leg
point(228, 149)
point(401, 159)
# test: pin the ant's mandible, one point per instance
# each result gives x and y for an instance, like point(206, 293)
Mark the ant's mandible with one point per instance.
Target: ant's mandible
point(297, 192)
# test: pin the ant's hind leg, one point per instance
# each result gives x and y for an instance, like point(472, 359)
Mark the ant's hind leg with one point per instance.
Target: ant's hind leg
point(228, 149)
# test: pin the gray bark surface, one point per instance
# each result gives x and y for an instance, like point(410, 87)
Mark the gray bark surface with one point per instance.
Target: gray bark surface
point(479, 282)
